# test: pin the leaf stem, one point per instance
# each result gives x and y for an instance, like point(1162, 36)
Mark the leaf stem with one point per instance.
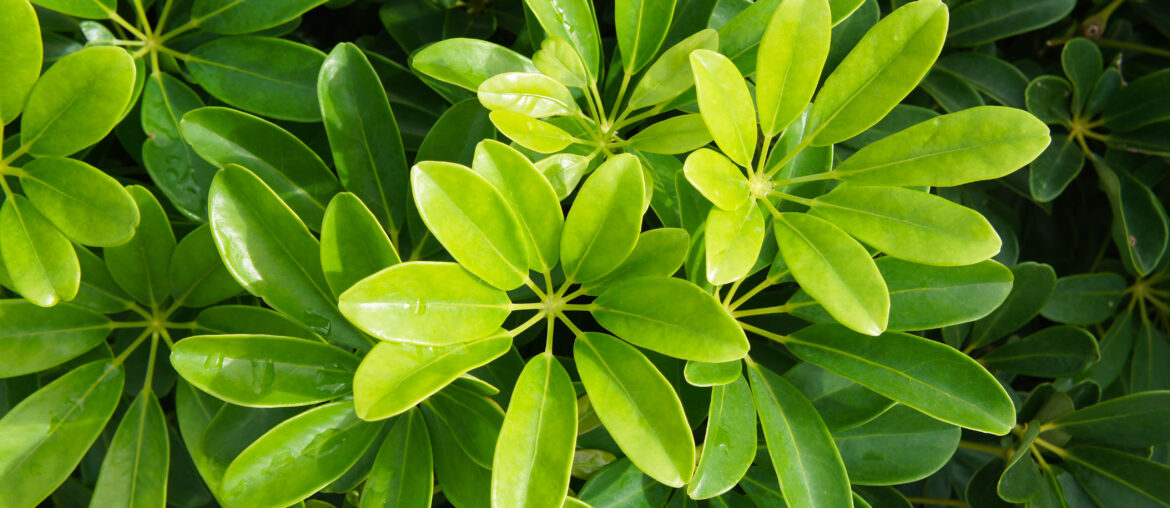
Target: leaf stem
point(150, 362)
point(763, 311)
point(790, 155)
point(988, 449)
point(568, 322)
point(526, 325)
point(621, 95)
point(1052, 448)
point(765, 284)
point(790, 197)
point(1124, 45)
point(133, 345)
point(548, 339)
point(934, 500)
point(783, 339)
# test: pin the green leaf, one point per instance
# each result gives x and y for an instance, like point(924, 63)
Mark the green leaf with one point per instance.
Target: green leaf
point(402, 474)
point(996, 78)
point(317, 447)
point(472, 221)
point(671, 75)
point(858, 93)
point(982, 21)
point(807, 463)
point(1132, 421)
point(468, 62)
point(673, 317)
point(395, 376)
point(900, 446)
point(718, 179)
point(1034, 284)
point(353, 244)
point(134, 470)
point(712, 374)
point(40, 261)
point(1145, 370)
point(33, 338)
point(77, 101)
point(910, 224)
point(1117, 478)
point(142, 265)
point(198, 277)
point(925, 375)
point(528, 93)
point(730, 442)
point(530, 196)
point(247, 319)
point(638, 407)
point(264, 370)
point(271, 253)
point(659, 252)
point(557, 59)
point(1140, 227)
point(621, 484)
point(739, 37)
point(1138, 103)
point(641, 27)
point(172, 164)
point(1047, 97)
point(463, 481)
point(246, 16)
point(836, 270)
point(733, 242)
point(1085, 299)
point(791, 56)
point(364, 135)
point(531, 133)
point(194, 412)
point(20, 56)
point(842, 403)
point(1055, 168)
point(47, 434)
point(473, 420)
point(677, 134)
point(602, 228)
point(230, 431)
point(225, 136)
point(950, 91)
point(88, 206)
point(563, 171)
point(535, 450)
point(263, 75)
point(974, 144)
point(726, 105)
point(1082, 64)
point(1021, 479)
point(573, 21)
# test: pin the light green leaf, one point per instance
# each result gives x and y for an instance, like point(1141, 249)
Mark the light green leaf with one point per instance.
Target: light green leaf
point(473, 420)
point(563, 171)
point(364, 135)
point(39, 260)
point(530, 196)
point(353, 244)
point(402, 476)
point(20, 56)
point(246, 16)
point(534, 454)
point(726, 105)
point(574, 21)
point(98, 290)
point(531, 133)
point(225, 136)
point(899, 446)
point(641, 27)
point(33, 338)
point(858, 93)
point(659, 252)
point(677, 134)
point(197, 275)
point(134, 470)
point(733, 242)
point(910, 224)
point(557, 59)
point(264, 370)
point(263, 75)
point(77, 101)
point(528, 93)
point(142, 265)
point(272, 254)
point(807, 463)
point(673, 317)
point(622, 484)
point(88, 206)
point(172, 164)
point(718, 179)
point(46, 435)
point(730, 442)
point(671, 75)
point(248, 319)
point(974, 144)
point(925, 375)
point(638, 407)
point(468, 62)
point(712, 374)
point(836, 270)
point(602, 228)
point(318, 446)
point(395, 376)
point(791, 56)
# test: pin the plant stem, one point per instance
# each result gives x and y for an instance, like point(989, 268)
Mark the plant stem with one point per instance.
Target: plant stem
point(568, 322)
point(980, 447)
point(790, 155)
point(765, 284)
point(150, 362)
point(764, 333)
point(932, 500)
point(133, 345)
point(526, 325)
point(779, 309)
point(1124, 45)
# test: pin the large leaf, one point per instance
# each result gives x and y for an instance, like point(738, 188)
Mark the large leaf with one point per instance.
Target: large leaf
point(317, 446)
point(77, 101)
point(836, 270)
point(726, 105)
point(641, 27)
point(638, 407)
point(574, 21)
point(899, 446)
point(20, 55)
point(792, 55)
point(142, 265)
point(40, 261)
point(46, 435)
point(263, 75)
point(364, 135)
point(134, 471)
point(859, 93)
point(670, 75)
point(925, 375)
point(982, 21)
point(673, 317)
point(528, 93)
point(173, 165)
point(1132, 421)
point(425, 303)
point(602, 228)
point(353, 244)
point(1052, 352)
point(245, 16)
point(1116, 478)
point(730, 442)
point(401, 476)
point(225, 136)
point(468, 62)
point(530, 196)
point(395, 376)
point(35, 338)
point(264, 370)
point(807, 463)
point(272, 254)
point(733, 242)
point(534, 454)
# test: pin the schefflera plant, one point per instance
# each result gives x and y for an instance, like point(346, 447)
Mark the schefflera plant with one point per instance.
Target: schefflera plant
point(501, 221)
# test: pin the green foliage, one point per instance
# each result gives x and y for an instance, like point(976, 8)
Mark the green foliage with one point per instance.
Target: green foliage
point(806, 253)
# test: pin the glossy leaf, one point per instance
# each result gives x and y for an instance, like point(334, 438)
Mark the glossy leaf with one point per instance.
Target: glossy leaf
point(900, 446)
point(557, 59)
point(925, 375)
point(173, 165)
point(726, 105)
point(21, 48)
point(531, 133)
point(638, 407)
point(528, 93)
point(530, 196)
point(733, 242)
point(982, 21)
point(1130, 421)
point(247, 319)
point(792, 55)
point(677, 134)
point(671, 75)
point(473, 420)
point(353, 244)
point(641, 27)
point(40, 261)
point(134, 471)
point(563, 171)
point(402, 475)
point(573, 21)
point(712, 374)
point(234, 69)
point(1033, 286)
point(730, 442)
point(141, 266)
point(1055, 168)
point(198, 277)
point(659, 252)
point(602, 228)
point(622, 484)
point(33, 338)
point(1111, 476)
point(245, 16)
point(842, 403)
point(718, 179)
point(264, 370)
point(468, 62)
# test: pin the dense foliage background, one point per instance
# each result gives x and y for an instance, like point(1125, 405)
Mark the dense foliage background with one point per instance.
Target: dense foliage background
point(223, 282)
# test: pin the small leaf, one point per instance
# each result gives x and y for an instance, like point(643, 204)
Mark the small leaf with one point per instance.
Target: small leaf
point(402, 475)
point(574, 21)
point(621, 382)
point(730, 442)
point(791, 56)
point(468, 62)
point(20, 43)
point(659, 252)
point(35, 338)
point(353, 244)
point(1085, 299)
point(899, 446)
point(529, 195)
point(717, 178)
point(670, 75)
point(531, 133)
point(40, 261)
point(712, 374)
point(142, 265)
point(263, 75)
point(528, 93)
point(557, 59)
point(677, 134)
point(134, 470)
point(726, 105)
point(563, 171)
point(1055, 168)
point(733, 242)
point(197, 275)
point(602, 227)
